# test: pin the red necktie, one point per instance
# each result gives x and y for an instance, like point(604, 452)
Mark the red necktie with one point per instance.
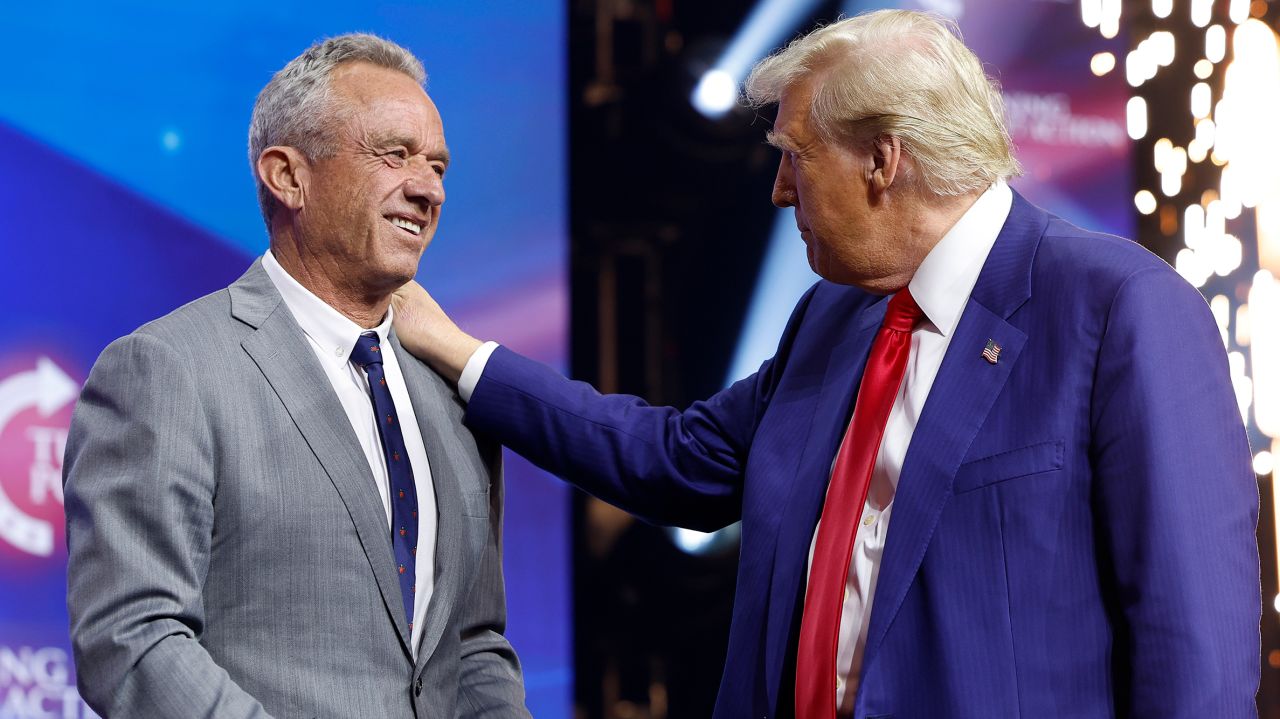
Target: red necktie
point(846, 495)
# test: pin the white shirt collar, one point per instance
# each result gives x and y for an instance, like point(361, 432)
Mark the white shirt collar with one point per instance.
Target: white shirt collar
point(943, 282)
point(333, 332)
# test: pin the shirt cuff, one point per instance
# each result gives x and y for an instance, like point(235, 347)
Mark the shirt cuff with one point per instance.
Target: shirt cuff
point(474, 370)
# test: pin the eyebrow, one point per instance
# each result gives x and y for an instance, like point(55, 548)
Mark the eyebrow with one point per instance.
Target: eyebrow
point(779, 140)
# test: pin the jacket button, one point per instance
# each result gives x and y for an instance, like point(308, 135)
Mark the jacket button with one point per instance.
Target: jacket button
point(417, 688)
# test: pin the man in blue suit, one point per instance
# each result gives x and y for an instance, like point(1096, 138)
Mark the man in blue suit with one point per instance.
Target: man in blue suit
point(1026, 469)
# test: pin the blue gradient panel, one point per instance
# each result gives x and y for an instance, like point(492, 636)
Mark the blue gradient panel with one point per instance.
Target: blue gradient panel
point(128, 193)
point(1067, 127)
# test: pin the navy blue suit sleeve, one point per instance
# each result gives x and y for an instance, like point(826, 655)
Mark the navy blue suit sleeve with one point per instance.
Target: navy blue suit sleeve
point(663, 465)
point(1177, 505)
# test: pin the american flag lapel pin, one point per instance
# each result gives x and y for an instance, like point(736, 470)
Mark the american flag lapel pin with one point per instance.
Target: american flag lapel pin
point(991, 352)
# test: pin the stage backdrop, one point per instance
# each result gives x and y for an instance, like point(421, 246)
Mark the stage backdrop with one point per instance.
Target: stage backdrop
point(127, 193)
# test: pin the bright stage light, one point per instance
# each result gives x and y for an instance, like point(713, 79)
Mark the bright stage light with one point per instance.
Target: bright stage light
point(1263, 463)
point(1264, 346)
point(1136, 117)
point(765, 28)
point(715, 94)
point(1102, 63)
point(1145, 202)
point(697, 543)
point(692, 541)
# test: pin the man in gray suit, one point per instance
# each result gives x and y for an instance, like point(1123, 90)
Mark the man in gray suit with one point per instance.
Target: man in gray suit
point(271, 509)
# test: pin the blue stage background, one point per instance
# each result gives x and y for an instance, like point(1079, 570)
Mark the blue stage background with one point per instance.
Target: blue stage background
point(127, 193)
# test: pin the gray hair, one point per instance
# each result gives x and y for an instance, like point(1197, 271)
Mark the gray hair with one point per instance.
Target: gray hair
point(902, 73)
point(296, 108)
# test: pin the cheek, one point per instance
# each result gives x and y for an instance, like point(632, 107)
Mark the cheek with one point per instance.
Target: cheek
point(814, 183)
point(336, 199)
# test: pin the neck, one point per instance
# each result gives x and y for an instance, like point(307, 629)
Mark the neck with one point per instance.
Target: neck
point(920, 226)
point(940, 214)
point(320, 275)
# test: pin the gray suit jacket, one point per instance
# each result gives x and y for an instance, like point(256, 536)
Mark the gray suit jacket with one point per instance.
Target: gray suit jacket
point(229, 554)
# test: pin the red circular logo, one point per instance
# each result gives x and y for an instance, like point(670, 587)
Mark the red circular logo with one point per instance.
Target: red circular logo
point(36, 400)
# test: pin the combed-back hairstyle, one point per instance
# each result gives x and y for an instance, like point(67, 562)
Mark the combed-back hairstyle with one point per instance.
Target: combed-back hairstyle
point(296, 108)
point(902, 73)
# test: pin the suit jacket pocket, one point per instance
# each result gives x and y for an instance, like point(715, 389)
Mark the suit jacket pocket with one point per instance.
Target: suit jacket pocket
point(476, 504)
point(1012, 464)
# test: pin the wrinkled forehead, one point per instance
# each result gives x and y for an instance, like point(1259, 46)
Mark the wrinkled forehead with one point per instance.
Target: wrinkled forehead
point(377, 100)
point(795, 105)
point(365, 84)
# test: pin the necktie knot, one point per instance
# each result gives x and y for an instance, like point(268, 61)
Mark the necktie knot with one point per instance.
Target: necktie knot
point(367, 350)
point(903, 312)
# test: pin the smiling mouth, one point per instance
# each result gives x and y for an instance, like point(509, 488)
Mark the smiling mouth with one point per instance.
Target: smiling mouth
point(407, 225)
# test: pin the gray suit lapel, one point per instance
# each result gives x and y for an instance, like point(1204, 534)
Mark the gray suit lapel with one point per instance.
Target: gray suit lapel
point(280, 350)
point(439, 412)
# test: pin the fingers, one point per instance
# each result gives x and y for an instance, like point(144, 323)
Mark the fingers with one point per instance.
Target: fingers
point(415, 299)
point(408, 292)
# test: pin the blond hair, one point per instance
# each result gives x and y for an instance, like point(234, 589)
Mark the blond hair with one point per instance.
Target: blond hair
point(901, 73)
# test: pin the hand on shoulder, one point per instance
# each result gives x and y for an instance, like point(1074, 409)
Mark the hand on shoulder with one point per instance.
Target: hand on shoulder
point(427, 332)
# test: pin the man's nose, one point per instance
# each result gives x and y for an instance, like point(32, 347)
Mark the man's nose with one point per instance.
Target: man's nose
point(784, 188)
point(425, 186)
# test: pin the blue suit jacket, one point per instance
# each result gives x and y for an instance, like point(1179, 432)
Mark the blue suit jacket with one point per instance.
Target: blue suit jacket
point(1073, 533)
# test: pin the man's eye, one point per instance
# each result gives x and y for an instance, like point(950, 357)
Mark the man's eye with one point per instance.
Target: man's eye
point(396, 157)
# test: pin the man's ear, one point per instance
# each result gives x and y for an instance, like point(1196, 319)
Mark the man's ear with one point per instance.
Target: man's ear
point(886, 153)
point(286, 173)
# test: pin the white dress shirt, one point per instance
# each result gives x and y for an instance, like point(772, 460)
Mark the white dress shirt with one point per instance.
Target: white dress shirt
point(941, 287)
point(332, 337)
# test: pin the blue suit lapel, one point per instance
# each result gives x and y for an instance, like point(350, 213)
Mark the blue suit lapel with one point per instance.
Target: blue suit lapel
point(809, 486)
point(963, 393)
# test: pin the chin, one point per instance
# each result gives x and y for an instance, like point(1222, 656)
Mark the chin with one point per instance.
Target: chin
point(834, 273)
point(814, 265)
point(823, 267)
point(390, 273)
point(403, 273)
point(406, 257)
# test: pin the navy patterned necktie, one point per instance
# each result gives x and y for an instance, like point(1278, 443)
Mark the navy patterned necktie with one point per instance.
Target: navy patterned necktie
point(404, 496)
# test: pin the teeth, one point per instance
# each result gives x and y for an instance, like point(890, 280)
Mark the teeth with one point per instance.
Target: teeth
point(406, 224)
